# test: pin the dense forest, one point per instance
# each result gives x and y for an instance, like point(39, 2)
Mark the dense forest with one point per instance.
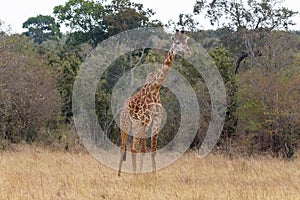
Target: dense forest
point(257, 55)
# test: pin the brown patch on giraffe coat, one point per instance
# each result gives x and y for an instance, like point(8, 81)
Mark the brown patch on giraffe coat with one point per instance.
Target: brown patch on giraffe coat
point(169, 59)
point(139, 105)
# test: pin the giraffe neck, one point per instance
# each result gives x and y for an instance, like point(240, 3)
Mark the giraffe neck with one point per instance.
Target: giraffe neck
point(169, 58)
point(164, 70)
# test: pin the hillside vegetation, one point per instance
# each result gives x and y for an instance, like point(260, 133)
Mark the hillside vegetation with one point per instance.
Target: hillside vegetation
point(254, 50)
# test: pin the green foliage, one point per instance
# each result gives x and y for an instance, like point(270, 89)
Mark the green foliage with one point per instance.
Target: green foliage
point(85, 18)
point(269, 108)
point(124, 15)
point(247, 24)
point(36, 81)
point(64, 63)
point(252, 15)
point(225, 63)
point(92, 21)
point(42, 28)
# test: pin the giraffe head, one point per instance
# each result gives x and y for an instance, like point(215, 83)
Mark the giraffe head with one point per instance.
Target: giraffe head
point(180, 43)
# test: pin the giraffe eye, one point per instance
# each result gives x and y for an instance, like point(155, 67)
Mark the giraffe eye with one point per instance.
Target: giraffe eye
point(177, 43)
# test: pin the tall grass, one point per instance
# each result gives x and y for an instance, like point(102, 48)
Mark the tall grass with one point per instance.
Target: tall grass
point(42, 174)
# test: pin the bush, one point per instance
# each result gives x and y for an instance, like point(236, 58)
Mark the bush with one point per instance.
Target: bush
point(28, 98)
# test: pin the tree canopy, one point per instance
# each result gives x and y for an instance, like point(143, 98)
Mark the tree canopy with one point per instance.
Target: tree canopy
point(253, 14)
point(94, 21)
point(42, 28)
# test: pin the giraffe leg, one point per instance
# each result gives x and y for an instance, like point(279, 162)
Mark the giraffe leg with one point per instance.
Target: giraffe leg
point(125, 126)
point(124, 137)
point(153, 151)
point(139, 133)
point(134, 150)
point(154, 137)
point(143, 151)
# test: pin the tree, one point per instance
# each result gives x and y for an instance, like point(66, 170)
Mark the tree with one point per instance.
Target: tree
point(85, 18)
point(42, 28)
point(269, 112)
point(186, 22)
point(92, 21)
point(247, 23)
point(269, 95)
point(225, 63)
point(124, 15)
point(28, 98)
point(64, 62)
point(253, 15)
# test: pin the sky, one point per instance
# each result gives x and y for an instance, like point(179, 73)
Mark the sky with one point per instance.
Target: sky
point(16, 12)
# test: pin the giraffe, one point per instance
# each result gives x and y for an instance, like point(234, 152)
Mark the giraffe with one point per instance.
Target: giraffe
point(144, 107)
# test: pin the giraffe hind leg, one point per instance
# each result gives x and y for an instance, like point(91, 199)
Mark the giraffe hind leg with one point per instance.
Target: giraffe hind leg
point(139, 133)
point(125, 126)
point(122, 150)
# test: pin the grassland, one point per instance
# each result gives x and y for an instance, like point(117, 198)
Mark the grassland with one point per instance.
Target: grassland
point(42, 174)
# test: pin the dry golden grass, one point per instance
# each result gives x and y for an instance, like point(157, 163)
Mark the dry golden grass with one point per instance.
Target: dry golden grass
point(43, 174)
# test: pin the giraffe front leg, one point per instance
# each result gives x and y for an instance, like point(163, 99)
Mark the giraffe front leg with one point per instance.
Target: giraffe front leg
point(134, 150)
point(154, 137)
point(139, 132)
point(143, 151)
point(153, 151)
